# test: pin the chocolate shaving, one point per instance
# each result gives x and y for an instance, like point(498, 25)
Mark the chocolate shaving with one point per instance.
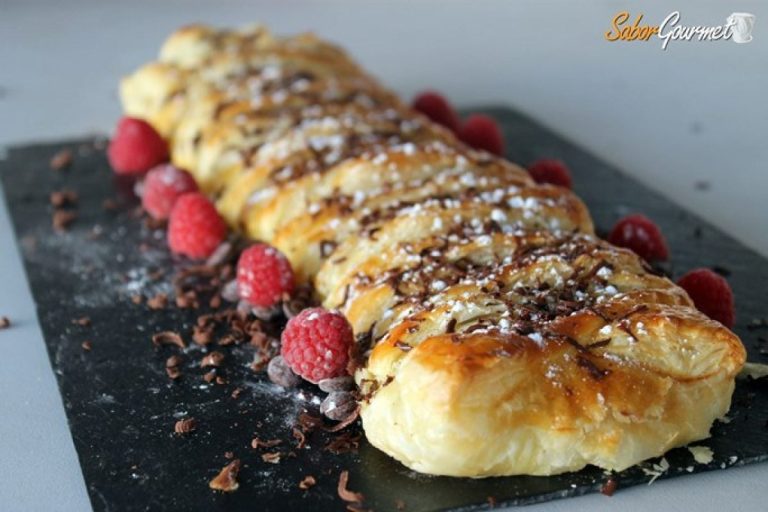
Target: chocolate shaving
point(226, 480)
point(87, 345)
point(300, 438)
point(257, 443)
point(344, 493)
point(236, 393)
point(214, 359)
point(62, 219)
point(173, 372)
point(307, 482)
point(308, 423)
point(159, 301)
point(343, 443)
point(202, 335)
point(172, 361)
point(185, 426)
point(61, 160)
point(609, 487)
point(137, 299)
point(209, 376)
point(168, 338)
point(82, 321)
point(451, 327)
point(62, 198)
point(272, 458)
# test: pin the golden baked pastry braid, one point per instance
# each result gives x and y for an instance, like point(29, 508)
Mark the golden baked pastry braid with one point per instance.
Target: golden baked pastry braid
point(499, 335)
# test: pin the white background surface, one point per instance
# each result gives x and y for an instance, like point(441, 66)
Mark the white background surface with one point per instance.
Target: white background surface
point(696, 112)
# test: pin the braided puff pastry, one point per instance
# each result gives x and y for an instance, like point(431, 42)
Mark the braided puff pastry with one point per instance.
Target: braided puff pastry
point(499, 335)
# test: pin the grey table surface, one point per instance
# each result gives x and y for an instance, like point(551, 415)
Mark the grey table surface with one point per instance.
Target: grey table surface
point(694, 113)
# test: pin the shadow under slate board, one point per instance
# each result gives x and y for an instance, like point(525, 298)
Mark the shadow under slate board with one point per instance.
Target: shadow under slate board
point(122, 406)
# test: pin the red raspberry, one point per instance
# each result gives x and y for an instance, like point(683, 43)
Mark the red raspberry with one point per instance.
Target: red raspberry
point(317, 343)
point(163, 185)
point(195, 228)
point(549, 170)
point(482, 132)
point(639, 233)
point(711, 294)
point(136, 147)
point(264, 274)
point(436, 107)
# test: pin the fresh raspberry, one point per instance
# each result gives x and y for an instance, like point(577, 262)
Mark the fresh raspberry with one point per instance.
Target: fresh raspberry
point(264, 274)
point(482, 132)
point(317, 344)
point(163, 185)
point(195, 228)
point(436, 107)
point(549, 170)
point(711, 294)
point(136, 147)
point(639, 233)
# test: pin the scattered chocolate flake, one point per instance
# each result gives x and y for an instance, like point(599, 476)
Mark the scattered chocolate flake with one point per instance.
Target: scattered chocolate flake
point(61, 160)
point(209, 376)
point(62, 219)
point(220, 380)
point(609, 487)
point(215, 302)
point(202, 335)
point(109, 204)
point(257, 443)
point(185, 426)
point(399, 504)
point(338, 405)
point(82, 321)
point(159, 301)
point(168, 338)
point(281, 374)
point(344, 493)
point(172, 361)
point(137, 299)
point(451, 327)
point(343, 383)
point(87, 345)
point(307, 482)
point(4, 322)
point(214, 359)
point(236, 393)
point(62, 198)
point(308, 422)
point(228, 455)
point(228, 339)
point(226, 480)
point(345, 442)
point(272, 458)
point(173, 372)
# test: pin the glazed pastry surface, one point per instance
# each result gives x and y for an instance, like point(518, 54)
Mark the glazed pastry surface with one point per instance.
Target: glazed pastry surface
point(500, 336)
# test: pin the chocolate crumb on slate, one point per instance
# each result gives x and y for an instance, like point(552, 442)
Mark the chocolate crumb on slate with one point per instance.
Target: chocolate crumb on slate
point(214, 359)
point(173, 372)
point(82, 321)
point(62, 219)
point(345, 442)
point(4, 322)
point(609, 487)
point(301, 439)
point(236, 393)
point(87, 345)
point(159, 301)
point(307, 482)
point(185, 426)
point(344, 423)
point(168, 338)
point(281, 374)
point(399, 504)
point(209, 376)
point(226, 480)
point(172, 361)
point(202, 334)
point(228, 455)
point(344, 493)
point(137, 299)
point(257, 443)
point(272, 458)
point(62, 198)
point(61, 160)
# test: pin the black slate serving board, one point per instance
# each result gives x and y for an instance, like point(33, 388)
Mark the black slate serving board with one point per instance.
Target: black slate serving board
point(122, 407)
